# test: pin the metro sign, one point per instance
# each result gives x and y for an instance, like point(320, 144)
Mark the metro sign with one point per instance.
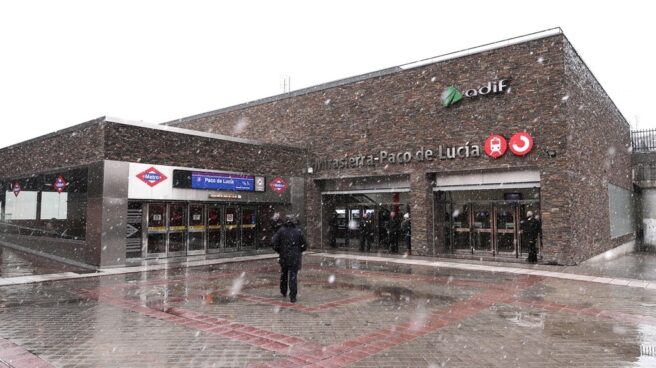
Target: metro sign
point(278, 185)
point(16, 189)
point(60, 184)
point(151, 176)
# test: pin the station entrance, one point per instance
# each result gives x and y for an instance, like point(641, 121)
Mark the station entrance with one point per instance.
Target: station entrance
point(169, 229)
point(368, 220)
point(485, 221)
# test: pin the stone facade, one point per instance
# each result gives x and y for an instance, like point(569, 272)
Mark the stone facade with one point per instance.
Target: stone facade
point(399, 110)
point(103, 148)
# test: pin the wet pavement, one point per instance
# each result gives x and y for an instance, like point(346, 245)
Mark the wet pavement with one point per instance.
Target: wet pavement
point(350, 312)
point(16, 264)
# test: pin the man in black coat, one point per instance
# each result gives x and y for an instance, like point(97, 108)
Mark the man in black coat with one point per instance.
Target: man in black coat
point(394, 229)
point(531, 227)
point(289, 243)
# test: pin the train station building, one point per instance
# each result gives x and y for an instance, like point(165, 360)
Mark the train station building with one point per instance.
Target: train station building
point(466, 144)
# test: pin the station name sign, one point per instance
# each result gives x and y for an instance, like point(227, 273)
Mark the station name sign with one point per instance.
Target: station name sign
point(186, 179)
point(383, 158)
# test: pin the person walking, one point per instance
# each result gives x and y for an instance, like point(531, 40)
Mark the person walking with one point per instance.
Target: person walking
point(406, 230)
point(531, 227)
point(289, 243)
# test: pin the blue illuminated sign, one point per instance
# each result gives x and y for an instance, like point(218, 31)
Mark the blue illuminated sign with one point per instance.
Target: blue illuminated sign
point(222, 181)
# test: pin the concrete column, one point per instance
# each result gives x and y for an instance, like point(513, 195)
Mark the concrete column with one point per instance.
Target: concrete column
point(107, 210)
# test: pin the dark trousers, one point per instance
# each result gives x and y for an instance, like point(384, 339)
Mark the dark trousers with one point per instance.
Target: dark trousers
point(288, 275)
point(532, 251)
point(408, 246)
point(365, 243)
point(394, 242)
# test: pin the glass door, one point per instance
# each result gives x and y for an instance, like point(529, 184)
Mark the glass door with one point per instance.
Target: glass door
point(248, 227)
point(505, 225)
point(355, 216)
point(197, 230)
point(177, 229)
point(482, 227)
point(461, 227)
point(156, 230)
point(232, 229)
point(214, 228)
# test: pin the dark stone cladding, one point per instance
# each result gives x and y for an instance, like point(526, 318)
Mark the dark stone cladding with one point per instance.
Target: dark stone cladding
point(103, 139)
point(552, 95)
point(143, 144)
point(599, 141)
point(75, 146)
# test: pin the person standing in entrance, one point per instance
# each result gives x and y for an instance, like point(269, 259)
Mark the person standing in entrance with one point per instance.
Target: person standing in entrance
point(406, 230)
point(332, 230)
point(531, 227)
point(366, 233)
point(289, 243)
point(394, 229)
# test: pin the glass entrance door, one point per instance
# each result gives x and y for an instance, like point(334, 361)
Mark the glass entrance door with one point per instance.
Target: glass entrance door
point(482, 227)
point(156, 230)
point(177, 229)
point(214, 228)
point(505, 226)
point(487, 221)
point(461, 231)
point(232, 230)
point(197, 229)
point(248, 227)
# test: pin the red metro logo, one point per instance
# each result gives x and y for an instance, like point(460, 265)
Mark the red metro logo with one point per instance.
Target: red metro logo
point(278, 185)
point(151, 176)
point(520, 144)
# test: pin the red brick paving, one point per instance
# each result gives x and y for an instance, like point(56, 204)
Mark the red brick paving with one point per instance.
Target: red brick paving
point(12, 355)
point(298, 352)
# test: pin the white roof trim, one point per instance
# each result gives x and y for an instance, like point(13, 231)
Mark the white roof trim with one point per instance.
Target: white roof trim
point(452, 188)
point(478, 49)
point(367, 191)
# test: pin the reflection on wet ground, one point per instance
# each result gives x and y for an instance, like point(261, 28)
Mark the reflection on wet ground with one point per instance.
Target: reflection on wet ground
point(349, 313)
point(14, 263)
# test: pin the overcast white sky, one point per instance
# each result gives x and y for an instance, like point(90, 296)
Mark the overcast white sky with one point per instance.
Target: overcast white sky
point(66, 62)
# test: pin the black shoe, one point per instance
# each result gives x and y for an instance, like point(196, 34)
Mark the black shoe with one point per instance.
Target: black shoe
point(292, 299)
point(284, 294)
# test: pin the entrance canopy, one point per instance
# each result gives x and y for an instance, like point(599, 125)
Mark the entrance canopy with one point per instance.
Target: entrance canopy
point(488, 180)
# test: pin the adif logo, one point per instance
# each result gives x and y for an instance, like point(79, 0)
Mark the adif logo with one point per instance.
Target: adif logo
point(451, 94)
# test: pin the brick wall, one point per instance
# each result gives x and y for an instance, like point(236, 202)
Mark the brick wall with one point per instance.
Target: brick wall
point(402, 111)
point(140, 144)
point(75, 146)
point(599, 153)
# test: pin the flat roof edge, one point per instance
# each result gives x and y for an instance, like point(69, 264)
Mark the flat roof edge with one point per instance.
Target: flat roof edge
point(197, 133)
point(487, 47)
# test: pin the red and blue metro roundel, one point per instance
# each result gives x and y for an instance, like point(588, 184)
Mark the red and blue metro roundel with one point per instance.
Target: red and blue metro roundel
point(60, 184)
point(151, 176)
point(278, 185)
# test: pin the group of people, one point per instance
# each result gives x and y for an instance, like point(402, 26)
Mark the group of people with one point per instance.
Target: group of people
point(395, 228)
point(288, 241)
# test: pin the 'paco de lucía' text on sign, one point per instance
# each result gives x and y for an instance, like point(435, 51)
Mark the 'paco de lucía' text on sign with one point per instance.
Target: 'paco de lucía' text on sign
point(386, 157)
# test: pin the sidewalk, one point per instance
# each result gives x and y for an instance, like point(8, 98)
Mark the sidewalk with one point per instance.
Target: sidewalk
point(634, 270)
